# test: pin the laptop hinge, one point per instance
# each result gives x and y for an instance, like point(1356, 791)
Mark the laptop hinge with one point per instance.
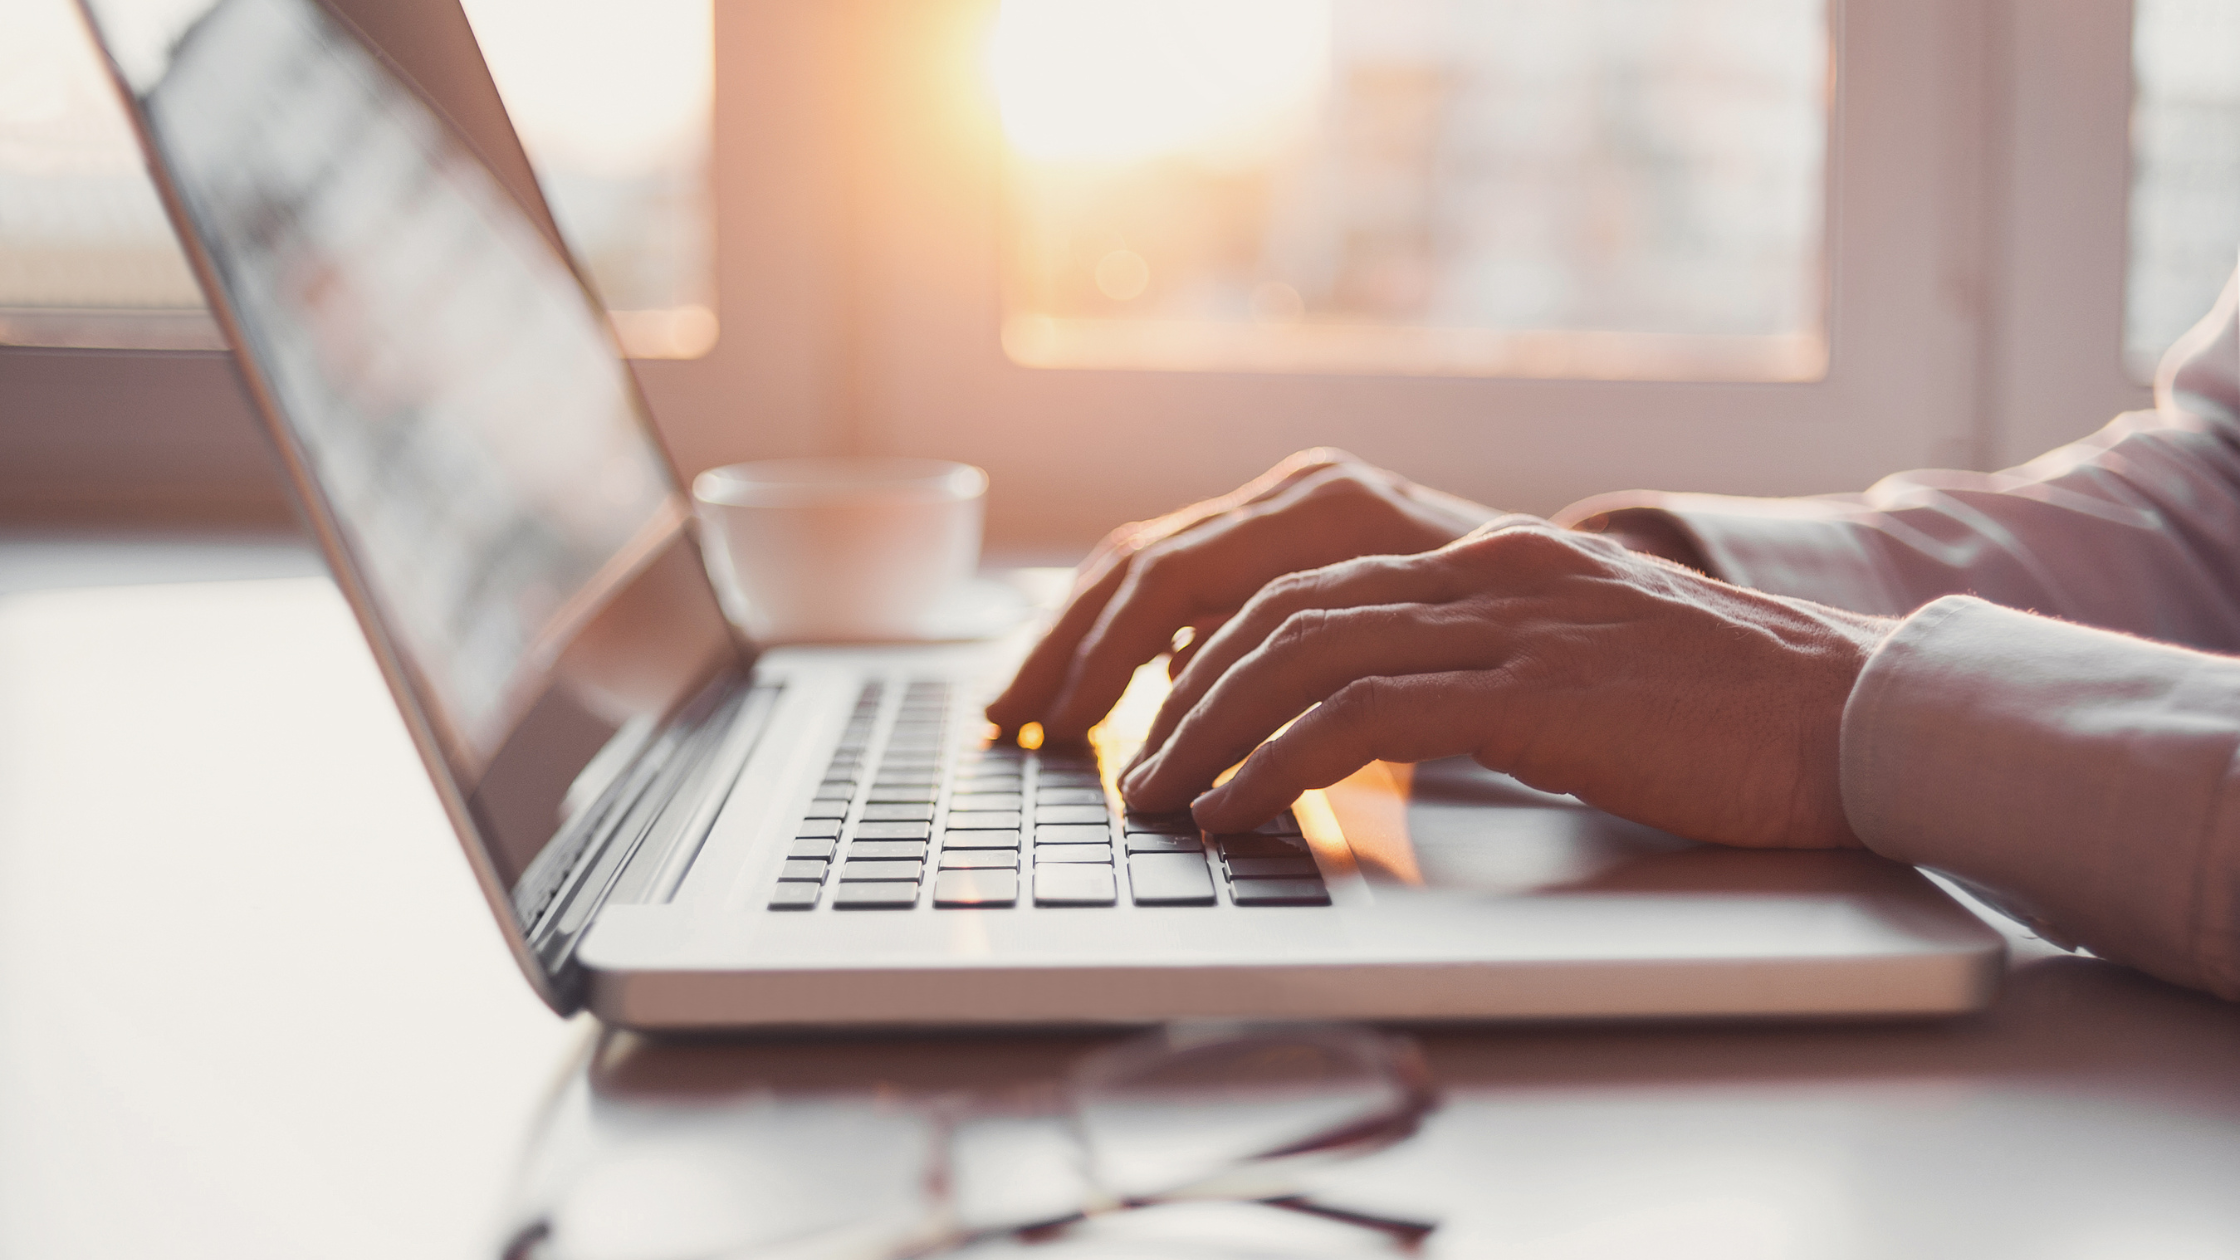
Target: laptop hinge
point(652, 821)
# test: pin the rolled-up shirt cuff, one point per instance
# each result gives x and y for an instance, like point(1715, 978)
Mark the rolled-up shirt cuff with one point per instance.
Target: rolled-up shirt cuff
point(1812, 548)
point(2085, 780)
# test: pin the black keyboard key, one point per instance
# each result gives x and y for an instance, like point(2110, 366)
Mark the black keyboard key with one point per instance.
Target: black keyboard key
point(1073, 833)
point(808, 870)
point(1179, 823)
point(898, 813)
point(818, 849)
point(1273, 868)
point(910, 795)
point(893, 831)
point(1280, 825)
point(979, 859)
point(915, 849)
point(1072, 853)
point(959, 889)
point(1069, 814)
point(984, 820)
point(1279, 892)
point(1170, 879)
point(1252, 845)
point(794, 896)
point(1144, 842)
point(817, 829)
point(1074, 885)
point(888, 896)
point(855, 872)
point(983, 802)
point(980, 839)
point(1047, 795)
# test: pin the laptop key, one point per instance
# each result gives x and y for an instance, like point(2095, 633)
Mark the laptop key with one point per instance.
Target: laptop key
point(1072, 853)
point(817, 829)
point(1069, 814)
point(1170, 879)
point(1280, 825)
point(983, 802)
point(915, 849)
point(980, 839)
point(960, 889)
point(1179, 823)
point(813, 848)
point(984, 820)
point(1072, 780)
point(853, 871)
point(979, 859)
point(912, 795)
point(885, 896)
point(806, 869)
point(794, 896)
point(898, 813)
point(1251, 845)
point(893, 831)
point(1279, 892)
point(1144, 842)
point(821, 809)
point(1273, 868)
point(1074, 885)
point(1048, 795)
point(1073, 833)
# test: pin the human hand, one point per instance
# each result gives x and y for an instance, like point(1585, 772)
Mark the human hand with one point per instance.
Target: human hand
point(1194, 568)
point(1637, 685)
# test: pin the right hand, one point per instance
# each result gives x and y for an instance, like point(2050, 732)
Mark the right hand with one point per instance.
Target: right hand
point(1149, 580)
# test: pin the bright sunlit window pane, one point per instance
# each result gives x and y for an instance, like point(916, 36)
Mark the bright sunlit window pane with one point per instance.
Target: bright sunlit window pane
point(1594, 188)
point(2185, 169)
point(611, 101)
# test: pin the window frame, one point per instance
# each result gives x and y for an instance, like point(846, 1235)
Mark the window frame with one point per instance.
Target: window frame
point(857, 185)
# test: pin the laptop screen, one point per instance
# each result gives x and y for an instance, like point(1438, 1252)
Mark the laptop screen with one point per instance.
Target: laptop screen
point(445, 385)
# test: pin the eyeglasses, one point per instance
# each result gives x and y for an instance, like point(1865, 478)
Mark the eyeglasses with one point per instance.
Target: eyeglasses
point(1234, 1113)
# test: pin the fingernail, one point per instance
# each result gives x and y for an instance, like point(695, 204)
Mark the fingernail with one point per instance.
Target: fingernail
point(1209, 801)
point(1134, 779)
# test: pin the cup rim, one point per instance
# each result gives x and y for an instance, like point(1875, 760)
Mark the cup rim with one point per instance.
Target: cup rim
point(838, 479)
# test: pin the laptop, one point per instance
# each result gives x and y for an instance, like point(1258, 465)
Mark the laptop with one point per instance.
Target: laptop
point(677, 828)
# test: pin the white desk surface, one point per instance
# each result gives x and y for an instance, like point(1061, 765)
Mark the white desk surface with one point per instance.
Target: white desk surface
point(251, 1005)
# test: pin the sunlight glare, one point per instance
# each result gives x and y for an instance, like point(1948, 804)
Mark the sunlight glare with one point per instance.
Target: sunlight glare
point(1121, 80)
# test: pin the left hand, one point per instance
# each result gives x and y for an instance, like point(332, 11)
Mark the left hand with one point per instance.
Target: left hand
point(1635, 684)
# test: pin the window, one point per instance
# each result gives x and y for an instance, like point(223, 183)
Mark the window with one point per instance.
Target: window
point(1556, 188)
point(2185, 169)
point(611, 102)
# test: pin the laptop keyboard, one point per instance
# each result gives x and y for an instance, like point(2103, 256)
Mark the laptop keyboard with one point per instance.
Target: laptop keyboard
point(908, 818)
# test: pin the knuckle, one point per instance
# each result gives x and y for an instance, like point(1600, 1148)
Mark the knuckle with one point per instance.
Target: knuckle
point(1298, 631)
point(1359, 703)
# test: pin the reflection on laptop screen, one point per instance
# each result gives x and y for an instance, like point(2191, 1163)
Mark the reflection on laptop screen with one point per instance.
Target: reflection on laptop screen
point(441, 370)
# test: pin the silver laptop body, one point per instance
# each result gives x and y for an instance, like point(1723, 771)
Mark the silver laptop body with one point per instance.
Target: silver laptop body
point(679, 831)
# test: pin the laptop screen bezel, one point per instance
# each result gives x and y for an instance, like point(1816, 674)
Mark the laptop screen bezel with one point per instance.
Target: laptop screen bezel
point(475, 119)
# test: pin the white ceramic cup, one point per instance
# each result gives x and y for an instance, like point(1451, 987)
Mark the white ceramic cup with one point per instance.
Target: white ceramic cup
point(839, 550)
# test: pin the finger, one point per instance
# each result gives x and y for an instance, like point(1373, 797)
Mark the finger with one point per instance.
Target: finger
point(1187, 652)
point(1172, 585)
point(1043, 674)
point(1312, 656)
point(1349, 583)
point(1414, 718)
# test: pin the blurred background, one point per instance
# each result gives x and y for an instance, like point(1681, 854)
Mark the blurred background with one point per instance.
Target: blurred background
point(1126, 252)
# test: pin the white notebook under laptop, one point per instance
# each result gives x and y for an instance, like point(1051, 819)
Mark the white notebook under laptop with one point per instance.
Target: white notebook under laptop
point(678, 830)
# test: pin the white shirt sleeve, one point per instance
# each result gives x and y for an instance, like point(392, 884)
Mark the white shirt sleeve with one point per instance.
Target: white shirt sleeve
point(2087, 781)
point(2136, 528)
